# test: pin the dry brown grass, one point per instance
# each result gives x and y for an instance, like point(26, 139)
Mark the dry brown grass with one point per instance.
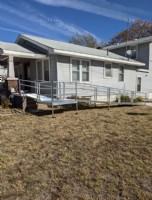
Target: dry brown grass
point(98, 154)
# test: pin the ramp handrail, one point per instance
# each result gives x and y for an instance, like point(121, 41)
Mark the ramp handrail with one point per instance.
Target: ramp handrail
point(62, 90)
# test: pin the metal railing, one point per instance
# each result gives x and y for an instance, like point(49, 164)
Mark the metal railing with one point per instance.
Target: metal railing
point(81, 92)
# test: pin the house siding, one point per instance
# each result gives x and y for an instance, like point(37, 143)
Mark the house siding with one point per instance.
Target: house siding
point(144, 54)
point(63, 69)
point(120, 51)
point(98, 77)
point(53, 68)
point(97, 74)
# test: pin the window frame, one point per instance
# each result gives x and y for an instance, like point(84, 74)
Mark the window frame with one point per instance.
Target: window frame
point(108, 77)
point(121, 73)
point(75, 70)
point(42, 61)
point(85, 71)
point(80, 70)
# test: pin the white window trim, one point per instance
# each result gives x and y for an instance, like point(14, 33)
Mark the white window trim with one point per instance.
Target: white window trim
point(42, 60)
point(80, 81)
point(108, 77)
point(119, 73)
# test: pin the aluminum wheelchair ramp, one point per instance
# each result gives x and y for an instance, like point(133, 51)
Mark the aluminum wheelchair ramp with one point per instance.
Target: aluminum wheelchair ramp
point(47, 100)
point(64, 93)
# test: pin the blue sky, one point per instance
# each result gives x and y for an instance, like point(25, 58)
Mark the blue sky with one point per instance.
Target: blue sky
point(61, 19)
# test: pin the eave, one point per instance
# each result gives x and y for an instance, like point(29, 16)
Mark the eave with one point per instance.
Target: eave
point(100, 58)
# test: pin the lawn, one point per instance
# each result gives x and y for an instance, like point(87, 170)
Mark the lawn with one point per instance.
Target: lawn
point(97, 154)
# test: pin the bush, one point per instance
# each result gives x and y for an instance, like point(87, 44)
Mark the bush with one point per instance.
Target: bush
point(138, 99)
point(6, 103)
point(124, 98)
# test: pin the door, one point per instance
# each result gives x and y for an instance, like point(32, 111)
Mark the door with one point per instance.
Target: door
point(138, 84)
point(27, 73)
point(27, 76)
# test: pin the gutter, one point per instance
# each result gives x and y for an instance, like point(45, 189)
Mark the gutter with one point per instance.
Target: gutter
point(114, 60)
point(131, 42)
point(143, 70)
point(22, 54)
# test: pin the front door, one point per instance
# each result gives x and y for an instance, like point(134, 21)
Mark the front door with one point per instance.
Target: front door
point(27, 73)
point(27, 77)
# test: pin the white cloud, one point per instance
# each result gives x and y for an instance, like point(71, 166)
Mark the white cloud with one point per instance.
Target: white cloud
point(9, 29)
point(25, 11)
point(103, 8)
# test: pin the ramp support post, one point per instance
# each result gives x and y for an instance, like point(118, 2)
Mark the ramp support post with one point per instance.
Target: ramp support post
point(108, 97)
point(76, 96)
point(52, 98)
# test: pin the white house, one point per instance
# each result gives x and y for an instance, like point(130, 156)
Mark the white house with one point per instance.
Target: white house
point(38, 59)
point(42, 59)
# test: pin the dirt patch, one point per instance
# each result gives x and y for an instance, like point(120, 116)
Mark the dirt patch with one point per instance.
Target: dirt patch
point(98, 154)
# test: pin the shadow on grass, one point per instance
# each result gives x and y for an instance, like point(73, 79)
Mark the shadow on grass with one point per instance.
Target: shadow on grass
point(136, 113)
point(48, 111)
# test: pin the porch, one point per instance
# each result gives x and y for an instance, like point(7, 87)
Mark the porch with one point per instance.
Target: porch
point(20, 63)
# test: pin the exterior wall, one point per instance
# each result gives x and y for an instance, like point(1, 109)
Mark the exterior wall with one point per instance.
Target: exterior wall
point(98, 77)
point(149, 83)
point(63, 68)
point(53, 68)
point(97, 74)
point(144, 54)
point(120, 51)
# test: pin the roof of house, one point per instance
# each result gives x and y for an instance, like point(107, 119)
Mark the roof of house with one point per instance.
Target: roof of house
point(63, 48)
point(16, 49)
point(131, 42)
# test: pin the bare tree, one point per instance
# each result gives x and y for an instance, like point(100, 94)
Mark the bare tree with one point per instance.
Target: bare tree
point(86, 40)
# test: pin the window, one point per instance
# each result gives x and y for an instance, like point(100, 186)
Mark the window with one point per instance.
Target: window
point(39, 70)
point(46, 70)
point(80, 70)
point(75, 70)
point(43, 70)
point(85, 71)
point(138, 84)
point(121, 73)
point(108, 70)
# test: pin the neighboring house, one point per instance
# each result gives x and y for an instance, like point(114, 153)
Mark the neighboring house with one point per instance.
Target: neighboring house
point(139, 50)
point(34, 58)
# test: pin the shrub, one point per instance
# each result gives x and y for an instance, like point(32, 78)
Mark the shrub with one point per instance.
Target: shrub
point(6, 103)
point(124, 98)
point(138, 99)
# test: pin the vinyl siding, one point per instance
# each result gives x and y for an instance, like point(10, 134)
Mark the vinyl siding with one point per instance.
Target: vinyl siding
point(120, 51)
point(63, 69)
point(143, 54)
point(53, 68)
point(99, 78)
point(97, 74)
